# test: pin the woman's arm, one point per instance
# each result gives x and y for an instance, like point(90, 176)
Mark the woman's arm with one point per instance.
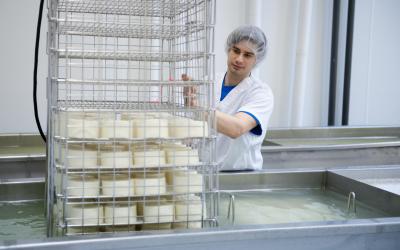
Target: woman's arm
point(229, 125)
point(234, 125)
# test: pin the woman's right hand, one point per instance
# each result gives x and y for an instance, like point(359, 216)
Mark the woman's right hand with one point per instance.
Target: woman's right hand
point(189, 93)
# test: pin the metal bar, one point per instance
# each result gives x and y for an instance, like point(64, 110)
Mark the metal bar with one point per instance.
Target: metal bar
point(348, 62)
point(334, 63)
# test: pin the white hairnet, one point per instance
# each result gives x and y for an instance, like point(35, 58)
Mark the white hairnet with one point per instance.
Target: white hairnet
point(252, 34)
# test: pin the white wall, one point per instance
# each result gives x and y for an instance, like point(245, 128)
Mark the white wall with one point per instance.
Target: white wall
point(374, 79)
point(281, 24)
point(375, 82)
point(17, 45)
point(229, 15)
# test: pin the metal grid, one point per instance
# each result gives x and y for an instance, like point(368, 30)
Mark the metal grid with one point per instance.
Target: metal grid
point(126, 152)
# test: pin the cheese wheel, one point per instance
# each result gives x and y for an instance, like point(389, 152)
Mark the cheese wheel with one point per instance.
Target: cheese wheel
point(181, 155)
point(149, 158)
point(117, 186)
point(150, 128)
point(188, 210)
point(184, 127)
point(120, 213)
point(150, 184)
point(154, 212)
point(82, 186)
point(186, 181)
point(84, 214)
point(115, 129)
point(79, 157)
point(115, 157)
point(80, 128)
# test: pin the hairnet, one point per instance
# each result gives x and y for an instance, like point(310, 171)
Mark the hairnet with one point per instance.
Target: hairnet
point(252, 34)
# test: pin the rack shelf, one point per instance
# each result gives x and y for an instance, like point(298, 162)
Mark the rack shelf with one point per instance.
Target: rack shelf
point(129, 56)
point(134, 169)
point(108, 198)
point(128, 30)
point(131, 82)
point(122, 106)
point(154, 8)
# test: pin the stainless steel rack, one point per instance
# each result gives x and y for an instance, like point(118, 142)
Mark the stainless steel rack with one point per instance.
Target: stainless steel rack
point(125, 151)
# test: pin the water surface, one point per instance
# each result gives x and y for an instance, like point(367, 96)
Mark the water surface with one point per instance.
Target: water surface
point(293, 205)
point(22, 220)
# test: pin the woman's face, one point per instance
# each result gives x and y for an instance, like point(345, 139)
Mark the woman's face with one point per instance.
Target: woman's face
point(241, 59)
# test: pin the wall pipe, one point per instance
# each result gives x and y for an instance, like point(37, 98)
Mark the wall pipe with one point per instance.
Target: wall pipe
point(302, 55)
point(253, 17)
point(334, 62)
point(348, 61)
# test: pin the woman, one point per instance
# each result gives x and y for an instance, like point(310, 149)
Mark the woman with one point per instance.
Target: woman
point(244, 104)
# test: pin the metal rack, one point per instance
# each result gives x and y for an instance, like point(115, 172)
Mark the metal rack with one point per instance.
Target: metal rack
point(125, 151)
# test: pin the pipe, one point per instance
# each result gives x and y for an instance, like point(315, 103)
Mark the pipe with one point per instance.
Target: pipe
point(253, 17)
point(302, 54)
point(334, 63)
point(253, 12)
point(348, 61)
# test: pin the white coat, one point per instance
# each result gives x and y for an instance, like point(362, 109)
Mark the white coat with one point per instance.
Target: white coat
point(253, 96)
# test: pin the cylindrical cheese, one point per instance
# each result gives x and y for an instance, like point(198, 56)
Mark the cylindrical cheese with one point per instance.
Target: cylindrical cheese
point(150, 128)
point(82, 186)
point(115, 129)
point(158, 212)
point(77, 124)
point(189, 209)
point(187, 181)
point(120, 213)
point(80, 128)
point(117, 185)
point(78, 156)
point(150, 184)
point(115, 156)
point(185, 127)
point(149, 158)
point(84, 214)
point(181, 155)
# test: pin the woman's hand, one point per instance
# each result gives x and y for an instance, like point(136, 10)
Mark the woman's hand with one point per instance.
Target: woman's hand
point(189, 93)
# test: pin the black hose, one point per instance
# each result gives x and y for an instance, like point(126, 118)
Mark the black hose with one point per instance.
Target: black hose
point(39, 24)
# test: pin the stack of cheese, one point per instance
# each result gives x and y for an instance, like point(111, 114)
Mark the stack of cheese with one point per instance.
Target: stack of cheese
point(134, 125)
point(144, 177)
point(116, 213)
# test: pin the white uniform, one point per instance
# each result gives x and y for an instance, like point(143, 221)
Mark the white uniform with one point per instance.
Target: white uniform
point(253, 96)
